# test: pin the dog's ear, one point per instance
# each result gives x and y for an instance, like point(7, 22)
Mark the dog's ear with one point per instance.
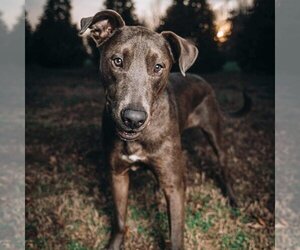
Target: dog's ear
point(182, 50)
point(102, 25)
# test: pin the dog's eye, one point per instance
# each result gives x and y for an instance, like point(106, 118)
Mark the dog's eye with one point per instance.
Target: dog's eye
point(118, 62)
point(158, 68)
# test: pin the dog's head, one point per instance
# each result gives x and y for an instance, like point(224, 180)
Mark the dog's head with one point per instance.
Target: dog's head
point(134, 65)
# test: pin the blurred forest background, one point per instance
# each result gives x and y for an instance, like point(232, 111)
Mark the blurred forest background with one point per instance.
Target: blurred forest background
point(248, 42)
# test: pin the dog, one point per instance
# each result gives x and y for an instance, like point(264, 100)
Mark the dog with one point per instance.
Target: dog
point(146, 110)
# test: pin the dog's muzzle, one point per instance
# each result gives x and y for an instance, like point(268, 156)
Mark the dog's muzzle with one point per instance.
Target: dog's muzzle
point(132, 122)
point(133, 119)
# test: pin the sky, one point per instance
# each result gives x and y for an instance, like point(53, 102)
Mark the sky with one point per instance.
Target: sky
point(12, 9)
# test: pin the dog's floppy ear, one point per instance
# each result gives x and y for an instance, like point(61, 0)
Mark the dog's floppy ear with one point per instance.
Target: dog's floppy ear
point(102, 25)
point(183, 50)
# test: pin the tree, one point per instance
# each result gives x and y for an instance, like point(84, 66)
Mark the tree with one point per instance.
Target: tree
point(28, 41)
point(3, 30)
point(3, 39)
point(56, 41)
point(194, 19)
point(16, 40)
point(125, 8)
point(253, 37)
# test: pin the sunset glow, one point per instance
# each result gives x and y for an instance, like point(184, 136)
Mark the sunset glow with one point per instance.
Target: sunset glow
point(147, 10)
point(220, 34)
point(223, 31)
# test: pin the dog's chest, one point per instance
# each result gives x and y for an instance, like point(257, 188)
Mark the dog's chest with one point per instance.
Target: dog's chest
point(133, 158)
point(133, 153)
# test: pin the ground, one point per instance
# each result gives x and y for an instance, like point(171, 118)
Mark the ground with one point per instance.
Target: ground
point(68, 199)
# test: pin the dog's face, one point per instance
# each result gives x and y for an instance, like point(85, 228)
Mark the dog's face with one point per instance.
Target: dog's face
point(135, 64)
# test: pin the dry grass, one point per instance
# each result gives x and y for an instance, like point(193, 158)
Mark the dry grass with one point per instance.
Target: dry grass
point(68, 199)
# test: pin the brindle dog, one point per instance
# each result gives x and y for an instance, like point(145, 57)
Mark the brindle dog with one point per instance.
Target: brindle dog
point(146, 110)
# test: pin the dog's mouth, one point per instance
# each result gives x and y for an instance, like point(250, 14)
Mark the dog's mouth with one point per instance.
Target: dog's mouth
point(128, 135)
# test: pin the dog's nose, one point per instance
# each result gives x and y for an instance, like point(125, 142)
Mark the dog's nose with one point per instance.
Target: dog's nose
point(133, 118)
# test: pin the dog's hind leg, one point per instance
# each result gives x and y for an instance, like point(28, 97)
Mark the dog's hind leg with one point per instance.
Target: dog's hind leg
point(208, 116)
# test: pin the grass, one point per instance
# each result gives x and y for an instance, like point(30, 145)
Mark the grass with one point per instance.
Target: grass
point(68, 197)
point(238, 241)
point(195, 220)
point(73, 245)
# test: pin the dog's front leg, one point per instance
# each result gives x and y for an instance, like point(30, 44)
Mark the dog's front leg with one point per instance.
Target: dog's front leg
point(172, 184)
point(120, 186)
point(175, 202)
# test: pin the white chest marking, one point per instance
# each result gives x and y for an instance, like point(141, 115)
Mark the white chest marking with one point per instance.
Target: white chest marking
point(132, 158)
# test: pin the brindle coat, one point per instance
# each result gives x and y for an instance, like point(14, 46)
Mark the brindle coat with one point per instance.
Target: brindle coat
point(135, 64)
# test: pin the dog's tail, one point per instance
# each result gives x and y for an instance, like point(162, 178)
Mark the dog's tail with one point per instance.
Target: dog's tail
point(247, 106)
